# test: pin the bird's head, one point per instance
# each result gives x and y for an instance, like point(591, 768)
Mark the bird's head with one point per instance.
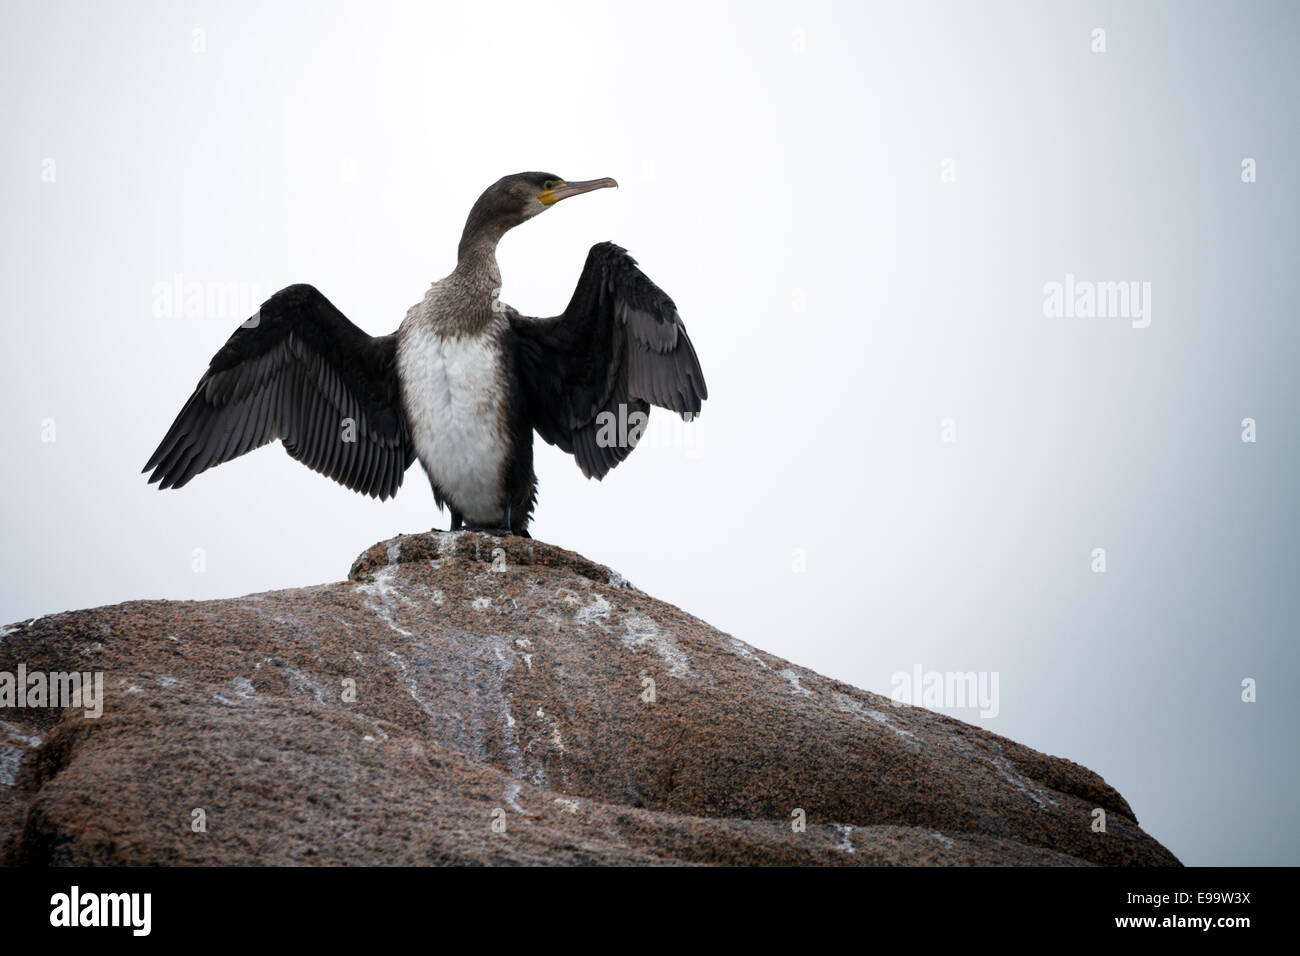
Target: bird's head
point(517, 198)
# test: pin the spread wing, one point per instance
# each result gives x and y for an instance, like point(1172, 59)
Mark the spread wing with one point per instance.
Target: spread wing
point(301, 372)
point(619, 348)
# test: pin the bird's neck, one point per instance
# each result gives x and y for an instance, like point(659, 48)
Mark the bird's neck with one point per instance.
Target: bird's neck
point(477, 259)
point(466, 301)
point(477, 275)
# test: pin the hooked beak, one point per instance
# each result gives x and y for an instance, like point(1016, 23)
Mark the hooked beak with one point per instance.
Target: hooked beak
point(565, 190)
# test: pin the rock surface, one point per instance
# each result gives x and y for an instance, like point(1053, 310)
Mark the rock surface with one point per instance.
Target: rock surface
point(501, 714)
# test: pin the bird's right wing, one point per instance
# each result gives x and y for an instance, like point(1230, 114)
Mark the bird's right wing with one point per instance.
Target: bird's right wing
point(301, 372)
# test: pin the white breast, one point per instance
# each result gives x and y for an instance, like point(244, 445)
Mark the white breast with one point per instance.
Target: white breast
point(452, 389)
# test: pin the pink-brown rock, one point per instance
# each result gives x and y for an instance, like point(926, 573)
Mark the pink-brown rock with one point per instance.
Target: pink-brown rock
point(465, 699)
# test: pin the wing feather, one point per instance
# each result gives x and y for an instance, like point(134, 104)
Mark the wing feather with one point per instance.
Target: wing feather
point(295, 374)
point(618, 348)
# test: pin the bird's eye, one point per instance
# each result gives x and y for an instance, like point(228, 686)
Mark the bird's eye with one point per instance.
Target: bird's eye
point(550, 184)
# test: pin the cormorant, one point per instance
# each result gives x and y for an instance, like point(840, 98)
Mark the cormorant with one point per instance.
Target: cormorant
point(462, 384)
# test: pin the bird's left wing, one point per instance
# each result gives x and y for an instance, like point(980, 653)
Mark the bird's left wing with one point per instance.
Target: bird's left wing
point(618, 348)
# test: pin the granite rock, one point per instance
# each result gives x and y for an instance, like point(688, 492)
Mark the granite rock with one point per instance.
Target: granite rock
point(467, 699)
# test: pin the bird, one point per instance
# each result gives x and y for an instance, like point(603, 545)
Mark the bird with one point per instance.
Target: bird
point(461, 386)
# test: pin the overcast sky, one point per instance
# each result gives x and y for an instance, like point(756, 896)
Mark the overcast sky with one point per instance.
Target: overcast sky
point(913, 447)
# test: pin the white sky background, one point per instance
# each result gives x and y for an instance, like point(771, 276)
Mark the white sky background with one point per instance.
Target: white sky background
point(780, 172)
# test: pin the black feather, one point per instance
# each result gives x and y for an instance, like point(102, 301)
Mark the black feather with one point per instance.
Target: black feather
point(295, 375)
point(620, 342)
